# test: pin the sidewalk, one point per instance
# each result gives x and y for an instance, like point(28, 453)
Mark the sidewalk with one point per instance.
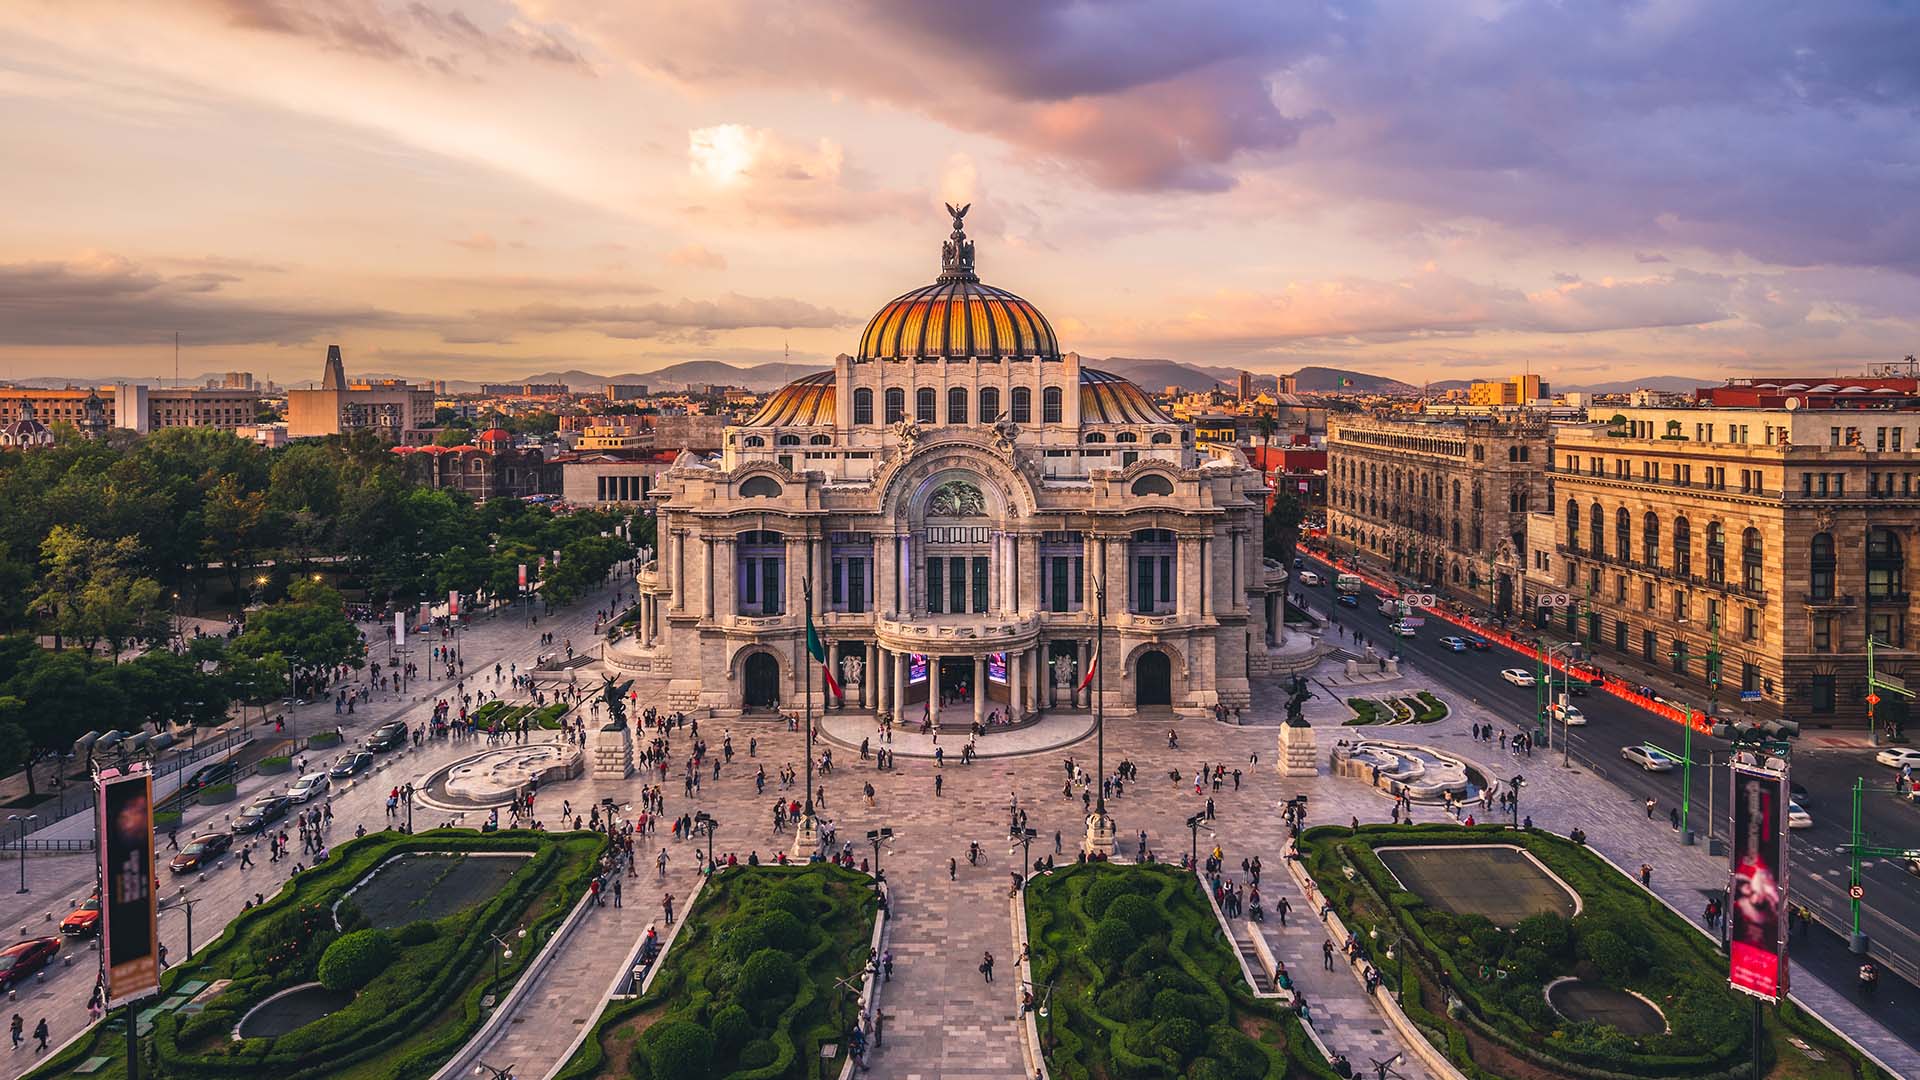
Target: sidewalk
point(1052, 731)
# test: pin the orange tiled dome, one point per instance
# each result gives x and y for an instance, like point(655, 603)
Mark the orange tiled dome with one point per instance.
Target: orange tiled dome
point(957, 316)
point(803, 402)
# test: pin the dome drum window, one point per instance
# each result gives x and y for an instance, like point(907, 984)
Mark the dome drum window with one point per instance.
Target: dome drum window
point(1152, 484)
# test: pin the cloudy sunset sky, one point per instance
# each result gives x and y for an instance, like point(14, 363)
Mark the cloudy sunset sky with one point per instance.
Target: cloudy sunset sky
point(497, 187)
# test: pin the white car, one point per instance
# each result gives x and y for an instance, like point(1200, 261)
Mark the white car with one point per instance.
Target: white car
point(1798, 818)
point(1569, 715)
point(305, 788)
point(1647, 758)
point(1899, 757)
point(1402, 629)
point(1517, 676)
point(1308, 577)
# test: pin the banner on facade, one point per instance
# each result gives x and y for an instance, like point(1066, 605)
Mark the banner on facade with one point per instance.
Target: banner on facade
point(997, 667)
point(1757, 888)
point(916, 667)
point(129, 911)
point(400, 629)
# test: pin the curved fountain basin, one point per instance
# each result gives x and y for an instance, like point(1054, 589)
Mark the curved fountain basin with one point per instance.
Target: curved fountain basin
point(1421, 773)
point(290, 1010)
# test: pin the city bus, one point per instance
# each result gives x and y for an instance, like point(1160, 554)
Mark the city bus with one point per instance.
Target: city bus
point(1349, 583)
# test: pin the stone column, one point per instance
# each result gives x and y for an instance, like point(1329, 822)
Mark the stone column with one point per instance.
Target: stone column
point(885, 552)
point(979, 688)
point(867, 697)
point(677, 571)
point(1205, 576)
point(899, 687)
point(726, 578)
point(706, 574)
point(1029, 576)
point(798, 551)
point(1016, 664)
point(882, 679)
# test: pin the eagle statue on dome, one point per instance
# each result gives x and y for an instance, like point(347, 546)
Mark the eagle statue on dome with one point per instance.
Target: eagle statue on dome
point(956, 254)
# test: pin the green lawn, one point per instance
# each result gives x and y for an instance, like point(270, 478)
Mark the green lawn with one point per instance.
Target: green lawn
point(748, 988)
point(506, 715)
point(417, 987)
point(1145, 985)
point(1623, 938)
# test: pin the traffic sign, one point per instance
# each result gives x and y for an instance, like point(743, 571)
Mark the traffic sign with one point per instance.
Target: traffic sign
point(1750, 695)
point(1856, 892)
point(1873, 699)
point(1553, 600)
point(1419, 600)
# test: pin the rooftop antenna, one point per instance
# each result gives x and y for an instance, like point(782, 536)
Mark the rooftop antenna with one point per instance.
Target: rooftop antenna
point(176, 358)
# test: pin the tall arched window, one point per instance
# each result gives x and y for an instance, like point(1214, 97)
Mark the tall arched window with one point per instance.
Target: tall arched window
point(924, 403)
point(1050, 405)
point(957, 405)
point(1597, 526)
point(1622, 534)
point(1022, 405)
point(1716, 553)
point(760, 573)
point(1456, 494)
point(1573, 525)
point(1821, 563)
point(1886, 569)
point(863, 406)
point(1650, 540)
point(896, 405)
point(1153, 555)
point(989, 404)
point(1682, 547)
point(1752, 550)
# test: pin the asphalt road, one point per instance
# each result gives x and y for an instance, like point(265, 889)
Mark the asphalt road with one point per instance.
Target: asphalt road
point(1818, 877)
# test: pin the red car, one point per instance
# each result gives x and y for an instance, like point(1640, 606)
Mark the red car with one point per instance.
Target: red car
point(24, 958)
point(201, 851)
point(85, 920)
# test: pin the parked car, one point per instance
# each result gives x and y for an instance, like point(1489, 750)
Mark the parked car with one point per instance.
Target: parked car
point(351, 763)
point(1798, 818)
point(83, 921)
point(21, 959)
point(387, 736)
point(219, 772)
point(1457, 644)
point(308, 786)
point(263, 812)
point(1569, 715)
point(1647, 758)
point(1518, 676)
point(1898, 757)
point(201, 851)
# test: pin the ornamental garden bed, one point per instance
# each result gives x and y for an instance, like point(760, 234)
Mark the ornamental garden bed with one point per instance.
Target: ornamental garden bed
point(507, 716)
point(415, 987)
point(1144, 985)
point(1478, 946)
point(748, 989)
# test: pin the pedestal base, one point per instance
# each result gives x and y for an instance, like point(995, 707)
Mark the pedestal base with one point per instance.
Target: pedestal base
point(806, 840)
point(1099, 838)
point(613, 753)
point(1296, 752)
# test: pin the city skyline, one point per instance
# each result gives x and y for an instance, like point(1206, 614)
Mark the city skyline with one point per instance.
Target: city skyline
point(497, 189)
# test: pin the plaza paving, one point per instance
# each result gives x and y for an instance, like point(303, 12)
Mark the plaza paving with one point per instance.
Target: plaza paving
point(943, 1019)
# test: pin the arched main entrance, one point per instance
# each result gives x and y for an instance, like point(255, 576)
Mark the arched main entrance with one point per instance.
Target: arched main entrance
point(761, 675)
point(1153, 679)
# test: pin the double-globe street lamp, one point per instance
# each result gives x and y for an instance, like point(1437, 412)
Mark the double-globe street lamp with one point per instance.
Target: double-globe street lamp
point(24, 821)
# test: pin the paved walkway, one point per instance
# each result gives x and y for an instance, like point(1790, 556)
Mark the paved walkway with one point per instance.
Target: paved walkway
point(1053, 730)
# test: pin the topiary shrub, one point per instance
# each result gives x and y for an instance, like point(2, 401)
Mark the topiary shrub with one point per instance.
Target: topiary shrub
point(1138, 912)
point(1102, 893)
point(1610, 955)
point(678, 1050)
point(1111, 941)
point(732, 1027)
point(355, 959)
point(1546, 932)
point(1177, 1039)
point(757, 1054)
point(767, 981)
point(418, 932)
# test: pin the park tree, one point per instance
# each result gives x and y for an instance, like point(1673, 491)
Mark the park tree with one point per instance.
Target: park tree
point(309, 629)
point(238, 527)
point(62, 695)
point(90, 591)
point(166, 689)
point(1282, 527)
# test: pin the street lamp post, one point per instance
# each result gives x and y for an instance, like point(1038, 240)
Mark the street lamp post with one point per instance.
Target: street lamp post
point(1193, 827)
point(23, 820)
point(878, 837)
point(704, 822)
point(506, 952)
point(1025, 838)
point(1514, 785)
point(481, 1068)
point(186, 904)
point(1099, 841)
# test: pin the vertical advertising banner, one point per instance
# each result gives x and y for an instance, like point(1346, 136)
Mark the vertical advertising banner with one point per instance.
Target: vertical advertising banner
point(400, 629)
point(453, 604)
point(1757, 891)
point(129, 913)
point(997, 666)
point(916, 667)
point(523, 577)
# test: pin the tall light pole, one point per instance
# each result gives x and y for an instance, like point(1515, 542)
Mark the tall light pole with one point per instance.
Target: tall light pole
point(186, 904)
point(506, 951)
point(1099, 841)
point(806, 839)
point(23, 820)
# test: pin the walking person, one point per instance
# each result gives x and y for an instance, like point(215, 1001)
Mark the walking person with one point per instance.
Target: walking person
point(986, 969)
point(1326, 954)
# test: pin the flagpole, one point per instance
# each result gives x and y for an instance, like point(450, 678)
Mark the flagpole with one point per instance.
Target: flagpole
point(806, 588)
point(1100, 695)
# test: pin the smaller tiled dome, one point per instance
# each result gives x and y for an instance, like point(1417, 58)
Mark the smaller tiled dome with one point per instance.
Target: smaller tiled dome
point(1106, 398)
point(804, 402)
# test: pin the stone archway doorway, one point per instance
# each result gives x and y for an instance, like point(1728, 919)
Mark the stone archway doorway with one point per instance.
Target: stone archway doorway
point(761, 675)
point(1153, 679)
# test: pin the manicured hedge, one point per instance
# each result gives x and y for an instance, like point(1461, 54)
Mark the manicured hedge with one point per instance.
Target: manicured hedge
point(413, 1013)
point(747, 988)
point(1145, 986)
point(1623, 937)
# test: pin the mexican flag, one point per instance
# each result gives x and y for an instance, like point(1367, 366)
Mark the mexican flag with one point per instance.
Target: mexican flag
point(1346, 381)
point(818, 652)
point(1093, 669)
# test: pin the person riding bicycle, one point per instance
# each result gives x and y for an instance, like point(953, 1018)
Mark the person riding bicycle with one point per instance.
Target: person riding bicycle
point(1869, 977)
